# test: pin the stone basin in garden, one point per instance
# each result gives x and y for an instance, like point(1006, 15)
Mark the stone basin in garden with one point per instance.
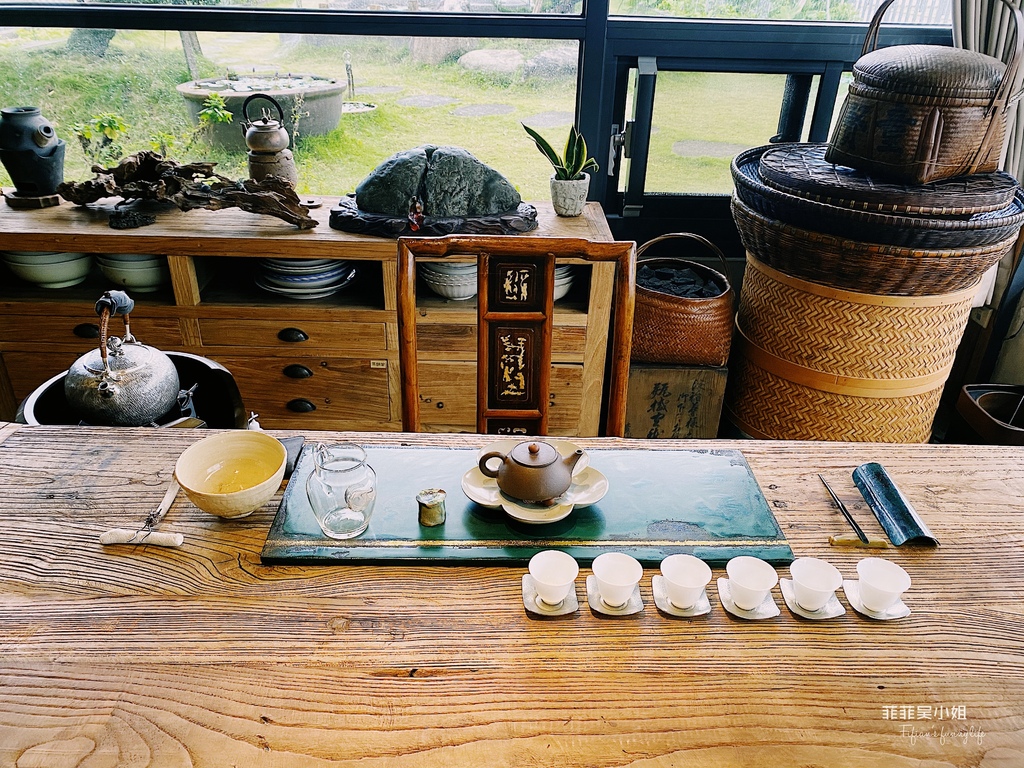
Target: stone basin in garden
point(321, 97)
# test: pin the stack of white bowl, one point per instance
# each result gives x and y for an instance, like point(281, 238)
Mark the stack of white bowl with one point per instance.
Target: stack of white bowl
point(49, 269)
point(304, 278)
point(451, 280)
point(139, 272)
point(458, 281)
point(563, 280)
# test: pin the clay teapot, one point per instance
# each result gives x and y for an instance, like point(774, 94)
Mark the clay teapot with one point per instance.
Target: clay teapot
point(124, 383)
point(533, 471)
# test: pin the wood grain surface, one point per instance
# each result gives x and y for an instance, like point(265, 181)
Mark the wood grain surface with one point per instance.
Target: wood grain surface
point(202, 656)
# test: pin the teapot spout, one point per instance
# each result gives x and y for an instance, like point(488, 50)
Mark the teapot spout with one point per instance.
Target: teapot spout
point(571, 460)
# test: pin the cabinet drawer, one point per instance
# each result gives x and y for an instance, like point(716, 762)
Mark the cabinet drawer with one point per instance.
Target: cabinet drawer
point(452, 340)
point(348, 337)
point(27, 370)
point(16, 330)
point(309, 391)
point(448, 397)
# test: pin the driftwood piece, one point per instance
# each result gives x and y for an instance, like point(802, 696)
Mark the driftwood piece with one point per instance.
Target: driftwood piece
point(149, 176)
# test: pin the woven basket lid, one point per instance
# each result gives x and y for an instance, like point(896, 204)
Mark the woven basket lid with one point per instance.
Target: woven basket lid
point(935, 71)
point(801, 170)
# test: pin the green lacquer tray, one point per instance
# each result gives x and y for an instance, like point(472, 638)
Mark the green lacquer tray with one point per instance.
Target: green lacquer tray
point(660, 502)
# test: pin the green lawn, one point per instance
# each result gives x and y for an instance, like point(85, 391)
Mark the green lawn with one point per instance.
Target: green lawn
point(136, 79)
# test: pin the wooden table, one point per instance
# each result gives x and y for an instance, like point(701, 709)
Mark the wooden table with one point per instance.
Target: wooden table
point(201, 656)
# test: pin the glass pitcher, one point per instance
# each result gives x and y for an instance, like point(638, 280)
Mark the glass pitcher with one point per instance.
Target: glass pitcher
point(342, 489)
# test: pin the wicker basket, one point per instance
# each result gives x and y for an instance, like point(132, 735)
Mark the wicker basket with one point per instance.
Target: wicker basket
point(908, 231)
point(683, 331)
point(859, 266)
point(818, 363)
point(916, 113)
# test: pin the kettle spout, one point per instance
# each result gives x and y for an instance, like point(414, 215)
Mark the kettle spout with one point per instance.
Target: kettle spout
point(571, 460)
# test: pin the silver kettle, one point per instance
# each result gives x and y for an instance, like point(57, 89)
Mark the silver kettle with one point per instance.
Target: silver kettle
point(124, 383)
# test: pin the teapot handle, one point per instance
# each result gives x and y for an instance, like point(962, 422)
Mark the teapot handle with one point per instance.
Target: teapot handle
point(271, 99)
point(113, 303)
point(487, 457)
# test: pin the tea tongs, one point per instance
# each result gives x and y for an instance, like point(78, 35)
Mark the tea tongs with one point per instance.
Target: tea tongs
point(146, 534)
point(846, 513)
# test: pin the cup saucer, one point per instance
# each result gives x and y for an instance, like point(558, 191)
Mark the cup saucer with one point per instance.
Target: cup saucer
point(533, 603)
point(830, 610)
point(851, 587)
point(634, 604)
point(701, 607)
point(766, 610)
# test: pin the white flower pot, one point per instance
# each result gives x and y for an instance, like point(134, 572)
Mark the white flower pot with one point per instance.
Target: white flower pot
point(569, 196)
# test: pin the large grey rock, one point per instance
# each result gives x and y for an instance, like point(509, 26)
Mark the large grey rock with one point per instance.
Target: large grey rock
point(553, 63)
point(391, 185)
point(449, 181)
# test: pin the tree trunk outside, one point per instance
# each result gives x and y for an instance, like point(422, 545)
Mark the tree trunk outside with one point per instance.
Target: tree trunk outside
point(190, 45)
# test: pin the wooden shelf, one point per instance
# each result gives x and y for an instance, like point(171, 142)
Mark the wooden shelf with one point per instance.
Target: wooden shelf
point(214, 308)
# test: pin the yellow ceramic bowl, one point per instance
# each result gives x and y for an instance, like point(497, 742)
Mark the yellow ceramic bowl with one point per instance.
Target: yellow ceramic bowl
point(233, 473)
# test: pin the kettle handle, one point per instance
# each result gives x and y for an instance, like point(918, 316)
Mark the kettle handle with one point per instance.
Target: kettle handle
point(245, 109)
point(116, 303)
point(487, 457)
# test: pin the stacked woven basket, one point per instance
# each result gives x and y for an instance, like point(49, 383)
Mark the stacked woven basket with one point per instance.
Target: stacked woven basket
point(859, 283)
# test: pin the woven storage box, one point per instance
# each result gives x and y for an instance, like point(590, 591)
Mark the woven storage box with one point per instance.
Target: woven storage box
point(865, 267)
point(683, 331)
point(916, 113)
point(818, 363)
point(902, 229)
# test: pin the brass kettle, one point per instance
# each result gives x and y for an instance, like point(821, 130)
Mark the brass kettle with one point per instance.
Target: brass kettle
point(533, 471)
point(123, 383)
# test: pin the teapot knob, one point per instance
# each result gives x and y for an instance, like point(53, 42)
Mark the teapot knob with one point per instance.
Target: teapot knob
point(533, 448)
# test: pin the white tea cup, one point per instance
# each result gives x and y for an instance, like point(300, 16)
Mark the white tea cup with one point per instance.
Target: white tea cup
point(617, 575)
point(881, 583)
point(814, 582)
point(553, 573)
point(685, 577)
point(750, 581)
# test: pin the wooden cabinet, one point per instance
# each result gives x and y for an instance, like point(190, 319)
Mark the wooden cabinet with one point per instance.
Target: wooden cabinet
point(326, 364)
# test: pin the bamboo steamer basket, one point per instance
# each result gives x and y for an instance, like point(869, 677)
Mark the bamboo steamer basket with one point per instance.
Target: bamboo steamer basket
point(813, 362)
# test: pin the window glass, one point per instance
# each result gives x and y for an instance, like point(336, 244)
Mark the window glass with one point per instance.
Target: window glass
point(560, 7)
point(359, 100)
point(935, 12)
point(704, 119)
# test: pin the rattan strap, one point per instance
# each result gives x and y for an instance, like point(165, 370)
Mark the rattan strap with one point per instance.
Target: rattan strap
point(836, 383)
point(937, 300)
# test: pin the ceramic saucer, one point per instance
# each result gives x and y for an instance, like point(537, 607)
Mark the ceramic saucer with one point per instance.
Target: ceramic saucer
point(766, 610)
point(533, 603)
point(702, 606)
point(829, 610)
point(634, 604)
point(898, 610)
point(588, 487)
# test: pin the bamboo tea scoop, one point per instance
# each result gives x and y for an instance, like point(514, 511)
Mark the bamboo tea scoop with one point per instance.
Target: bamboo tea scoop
point(146, 534)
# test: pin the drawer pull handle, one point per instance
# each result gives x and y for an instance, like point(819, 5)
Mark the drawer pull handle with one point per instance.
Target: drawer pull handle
point(292, 335)
point(297, 371)
point(86, 331)
point(301, 405)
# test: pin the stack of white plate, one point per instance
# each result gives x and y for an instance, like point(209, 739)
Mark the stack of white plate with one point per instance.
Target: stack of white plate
point(304, 278)
point(139, 272)
point(453, 281)
point(49, 269)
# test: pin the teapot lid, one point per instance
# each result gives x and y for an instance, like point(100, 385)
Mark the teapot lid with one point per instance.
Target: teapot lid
point(534, 453)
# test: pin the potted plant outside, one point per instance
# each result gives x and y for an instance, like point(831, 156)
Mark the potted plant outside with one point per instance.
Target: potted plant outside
point(570, 182)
